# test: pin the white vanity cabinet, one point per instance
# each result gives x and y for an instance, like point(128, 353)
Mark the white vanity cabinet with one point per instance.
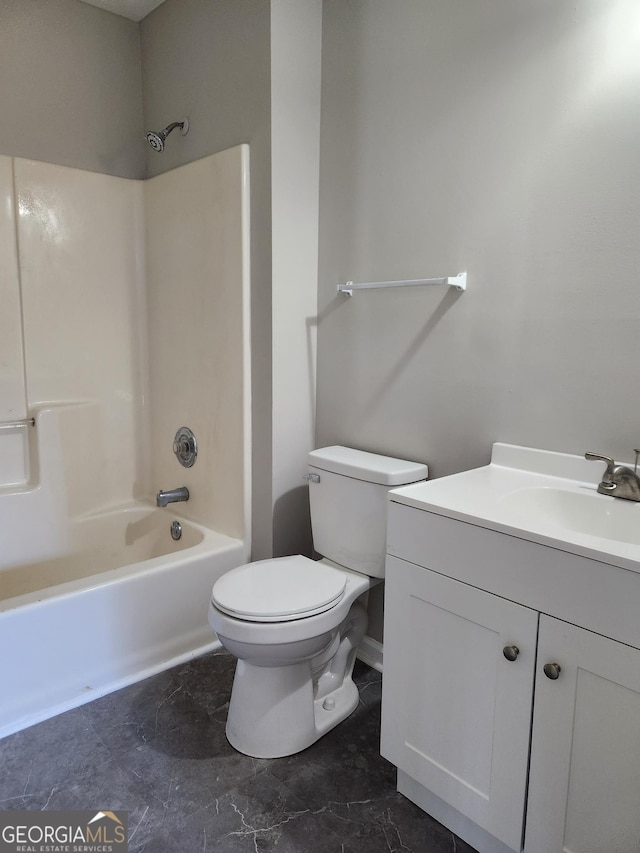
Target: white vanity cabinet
point(486, 739)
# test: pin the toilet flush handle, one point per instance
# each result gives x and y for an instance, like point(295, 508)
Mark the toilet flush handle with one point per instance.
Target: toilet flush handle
point(312, 478)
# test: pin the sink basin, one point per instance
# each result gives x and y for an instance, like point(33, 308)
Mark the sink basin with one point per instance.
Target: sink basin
point(544, 496)
point(583, 511)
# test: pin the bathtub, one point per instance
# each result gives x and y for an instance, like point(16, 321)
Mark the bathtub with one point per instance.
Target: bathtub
point(124, 602)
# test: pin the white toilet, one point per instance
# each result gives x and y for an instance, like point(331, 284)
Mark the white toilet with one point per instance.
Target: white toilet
point(293, 623)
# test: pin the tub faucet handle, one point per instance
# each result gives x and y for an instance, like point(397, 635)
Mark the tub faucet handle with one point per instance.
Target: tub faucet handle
point(185, 447)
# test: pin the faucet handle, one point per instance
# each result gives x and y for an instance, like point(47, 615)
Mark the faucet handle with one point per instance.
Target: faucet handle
point(598, 457)
point(610, 464)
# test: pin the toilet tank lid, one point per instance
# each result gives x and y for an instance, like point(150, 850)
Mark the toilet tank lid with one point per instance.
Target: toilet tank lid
point(367, 466)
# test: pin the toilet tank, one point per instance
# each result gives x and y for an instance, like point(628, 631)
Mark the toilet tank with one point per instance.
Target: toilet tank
point(349, 504)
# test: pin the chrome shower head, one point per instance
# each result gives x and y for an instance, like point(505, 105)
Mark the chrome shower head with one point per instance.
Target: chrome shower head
point(156, 140)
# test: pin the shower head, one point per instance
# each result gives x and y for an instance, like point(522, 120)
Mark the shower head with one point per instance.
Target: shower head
point(156, 140)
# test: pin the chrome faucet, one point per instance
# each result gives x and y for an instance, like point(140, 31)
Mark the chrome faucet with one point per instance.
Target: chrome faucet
point(618, 481)
point(172, 496)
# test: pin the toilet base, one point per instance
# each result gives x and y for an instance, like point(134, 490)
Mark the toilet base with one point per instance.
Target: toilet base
point(272, 712)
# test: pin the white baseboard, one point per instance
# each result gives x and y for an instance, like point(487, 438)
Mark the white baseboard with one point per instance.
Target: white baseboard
point(370, 652)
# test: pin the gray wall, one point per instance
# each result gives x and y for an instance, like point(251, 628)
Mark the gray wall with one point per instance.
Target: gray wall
point(498, 137)
point(210, 61)
point(70, 86)
point(296, 56)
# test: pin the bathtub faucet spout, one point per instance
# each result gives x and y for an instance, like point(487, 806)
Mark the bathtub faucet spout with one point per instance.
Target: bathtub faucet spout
point(172, 496)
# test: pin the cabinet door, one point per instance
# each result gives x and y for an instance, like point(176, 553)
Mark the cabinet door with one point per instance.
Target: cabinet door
point(456, 714)
point(584, 789)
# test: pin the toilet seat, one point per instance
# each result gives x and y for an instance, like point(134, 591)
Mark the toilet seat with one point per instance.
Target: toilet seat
point(279, 590)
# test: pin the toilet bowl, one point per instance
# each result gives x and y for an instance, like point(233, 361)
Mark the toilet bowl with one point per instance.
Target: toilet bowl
point(294, 623)
point(289, 664)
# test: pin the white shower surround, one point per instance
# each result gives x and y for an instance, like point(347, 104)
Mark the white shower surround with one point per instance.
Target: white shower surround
point(110, 361)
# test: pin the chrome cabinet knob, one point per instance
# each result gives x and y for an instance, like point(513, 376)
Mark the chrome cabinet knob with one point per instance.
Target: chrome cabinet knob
point(552, 670)
point(511, 652)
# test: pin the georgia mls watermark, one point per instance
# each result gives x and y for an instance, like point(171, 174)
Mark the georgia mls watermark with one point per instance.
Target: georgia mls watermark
point(63, 832)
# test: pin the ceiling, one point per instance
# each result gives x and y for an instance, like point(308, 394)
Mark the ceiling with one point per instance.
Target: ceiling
point(135, 10)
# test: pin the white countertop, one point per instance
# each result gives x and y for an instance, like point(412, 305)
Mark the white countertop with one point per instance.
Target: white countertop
point(542, 496)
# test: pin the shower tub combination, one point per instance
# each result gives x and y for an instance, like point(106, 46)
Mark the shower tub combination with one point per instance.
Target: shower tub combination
point(125, 602)
point(94, 591)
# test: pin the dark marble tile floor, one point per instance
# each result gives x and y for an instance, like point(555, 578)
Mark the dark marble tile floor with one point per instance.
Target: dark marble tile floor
point(158, 750)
